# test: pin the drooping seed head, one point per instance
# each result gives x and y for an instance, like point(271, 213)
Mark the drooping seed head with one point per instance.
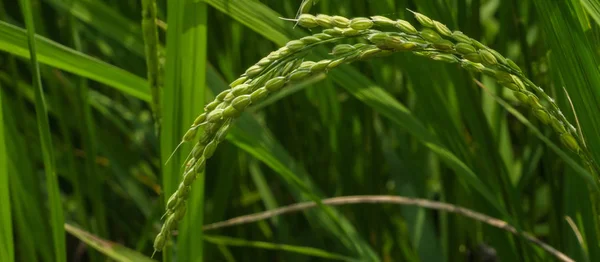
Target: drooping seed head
point(320, 66)
point(377, 38)
point(189, 177)
point(230, 112)
point(334, 31)
point(209, 150)
point(254, 70)
point(557, 125)
point(295, 45)
point(340, 21)
point(323, 36)
point(471, 66)
point(570, 142)
point(542, 116)
point(197, 151)
point(405, 27)
point(200, 119)
point(534, 101)
point(324, 21)
point(306, 65)
point(200, 164)
point(212, 105)
point(443, 45)
point(430, 35)
point(487, 58)
point(209, 131)
point(290, 66)
point(382, 21)
point(230, 96)
point(298, 75)
point(510, 86)
point(367, 53)
point(259, 94)
point(426, 53)
point(342, 49)
point(521, 97)
point(391, 42)
point(442, 29)
point(189, 164)
point(274, 55)
point(504, 77)
point(361, 23)
point(264, 61)
point(518, 82)
point(464, 48)
point(182, 192)
point(275, 84)
point(460, 37)
point(240, 89)
point(215, 115)
point(180, 212)
point(190, 134)
point(284, 51)
point(351, 32)
point(352, 56)
point(222, 133)
point(172, 202)
point(221, 96)
point(241, 102)
point(406, 46)
point(238, 81)
point(335, 63)
point(423, 20)
point(159, 241)
point(310, 40)
point(307, 21)
point(448, 58)
point(473, 57)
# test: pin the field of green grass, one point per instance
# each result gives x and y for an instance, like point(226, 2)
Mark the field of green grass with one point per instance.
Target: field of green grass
point(299, 130)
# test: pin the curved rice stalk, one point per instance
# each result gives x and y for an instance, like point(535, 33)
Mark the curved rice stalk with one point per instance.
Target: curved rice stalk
point(272, 73)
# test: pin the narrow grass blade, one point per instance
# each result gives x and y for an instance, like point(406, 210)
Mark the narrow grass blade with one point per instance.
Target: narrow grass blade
point(6, 225)
point(152, 65)
point(193, 58)
point(183, 99)
point(102, 17)
point(87, 128)
point(593, 9)
point(574, 61)
point(14, 40)
point(55, 204)
point(262, 186)
point(110, 249)
point(307, 251)
point(26, 192)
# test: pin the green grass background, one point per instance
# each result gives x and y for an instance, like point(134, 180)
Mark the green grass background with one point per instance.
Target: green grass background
point(83, 174)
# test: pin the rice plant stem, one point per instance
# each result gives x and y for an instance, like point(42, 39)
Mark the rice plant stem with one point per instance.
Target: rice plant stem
point(395, 200)
point(55, 205)
point(6, 223)
point(152, 65)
